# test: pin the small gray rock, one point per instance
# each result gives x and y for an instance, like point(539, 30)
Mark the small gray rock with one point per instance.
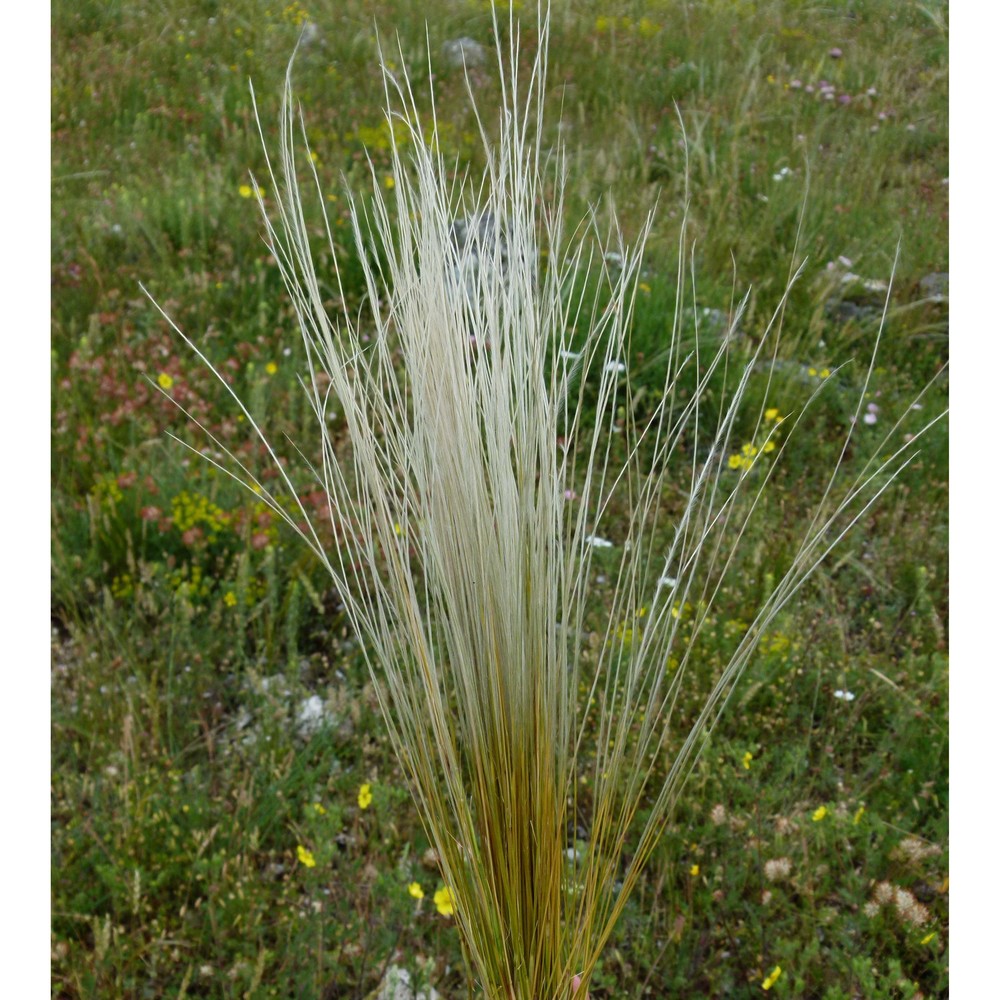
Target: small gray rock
point(934, 286)
point(475, 240)
point(396, 985)
point(459, 52)
point(843, 312)
point(310, 35)
point(312, 716)
point(478, 236)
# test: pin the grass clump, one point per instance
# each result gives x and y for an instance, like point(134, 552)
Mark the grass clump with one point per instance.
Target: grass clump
point(471, 507)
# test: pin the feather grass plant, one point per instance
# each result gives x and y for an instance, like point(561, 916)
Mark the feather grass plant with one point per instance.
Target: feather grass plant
point(470, 495)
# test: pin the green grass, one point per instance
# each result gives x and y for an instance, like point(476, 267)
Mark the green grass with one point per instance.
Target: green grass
point(190, 629)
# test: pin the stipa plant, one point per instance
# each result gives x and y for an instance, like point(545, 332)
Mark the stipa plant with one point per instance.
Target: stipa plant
point(470, 500)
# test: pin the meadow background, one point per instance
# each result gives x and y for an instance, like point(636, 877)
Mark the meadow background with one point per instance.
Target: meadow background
point(228, 820)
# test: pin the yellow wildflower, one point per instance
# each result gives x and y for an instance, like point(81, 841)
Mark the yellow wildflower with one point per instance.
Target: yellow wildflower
point(305, 857)
point(747, 757)
point(230, 599)
point(271, 368)
point(164, 381)
point(318, 809)
point(819, 814)
point(694, 870)
point(768, 447)
point(390, 182)
point(771, 979)
point(927, 938)
point(415, 891)
point(825, 373)
point(365, 796)
point(772, 413)
point(246, 191)
point(858, 815)
point(735, 461)
point(445, 902)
